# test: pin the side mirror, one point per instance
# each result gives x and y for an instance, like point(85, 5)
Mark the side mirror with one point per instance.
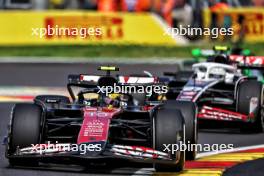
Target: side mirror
point(194, 76)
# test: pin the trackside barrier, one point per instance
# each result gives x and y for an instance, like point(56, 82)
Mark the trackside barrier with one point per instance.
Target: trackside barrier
point(247, 23)
point(20, 28)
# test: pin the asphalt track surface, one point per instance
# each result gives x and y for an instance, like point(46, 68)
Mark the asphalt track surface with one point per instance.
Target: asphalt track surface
point(56, 75)
point(247, 168)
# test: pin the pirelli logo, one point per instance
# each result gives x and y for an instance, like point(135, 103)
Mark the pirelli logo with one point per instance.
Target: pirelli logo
point(254, 23)
point(84, 27)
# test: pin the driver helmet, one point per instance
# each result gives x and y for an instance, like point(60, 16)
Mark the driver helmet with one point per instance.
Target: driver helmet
point(222, 59)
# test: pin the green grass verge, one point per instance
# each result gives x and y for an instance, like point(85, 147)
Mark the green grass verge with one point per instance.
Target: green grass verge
point(110, 51)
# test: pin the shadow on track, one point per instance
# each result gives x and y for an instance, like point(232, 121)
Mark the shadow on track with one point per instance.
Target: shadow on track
point(113, 169)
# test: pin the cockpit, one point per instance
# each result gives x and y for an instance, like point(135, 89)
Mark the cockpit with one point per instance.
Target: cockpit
point(122, 91)
point(209, 71)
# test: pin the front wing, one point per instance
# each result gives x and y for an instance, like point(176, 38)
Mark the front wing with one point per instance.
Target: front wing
point(212, 113)
point(132, 153)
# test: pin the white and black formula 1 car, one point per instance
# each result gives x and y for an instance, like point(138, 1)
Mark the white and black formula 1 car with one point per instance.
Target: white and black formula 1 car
point(223, 95)
point(95, 127)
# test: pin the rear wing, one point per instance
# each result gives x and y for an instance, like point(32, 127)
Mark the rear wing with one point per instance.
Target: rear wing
point(91, 81)
point(83, 80)
point(137, 80)
point(248, 62)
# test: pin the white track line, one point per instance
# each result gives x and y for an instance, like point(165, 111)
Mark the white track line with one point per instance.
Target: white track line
point(95, 60)
point(237, 149)
point(30, 90)
point(147, 171)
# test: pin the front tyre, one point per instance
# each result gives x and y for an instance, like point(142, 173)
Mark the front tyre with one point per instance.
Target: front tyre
point(246, 91)
point(168, 129)
point(25, 129)
point(188, 110)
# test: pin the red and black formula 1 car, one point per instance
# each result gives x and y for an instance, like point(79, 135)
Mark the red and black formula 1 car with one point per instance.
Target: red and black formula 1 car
point(95, 126)
point(222, 93)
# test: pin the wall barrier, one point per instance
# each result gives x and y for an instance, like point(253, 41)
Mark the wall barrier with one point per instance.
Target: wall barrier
point(247, 23)
point(116, 28)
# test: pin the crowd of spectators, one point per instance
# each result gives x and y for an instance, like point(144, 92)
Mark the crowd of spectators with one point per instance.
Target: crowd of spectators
point(173, 11)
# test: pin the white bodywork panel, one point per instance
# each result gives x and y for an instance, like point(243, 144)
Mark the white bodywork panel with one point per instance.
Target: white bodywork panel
point(209, 71)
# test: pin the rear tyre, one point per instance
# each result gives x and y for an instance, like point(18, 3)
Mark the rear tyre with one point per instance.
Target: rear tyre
point(188, 110)
point(25, 129)
point(247, 90)
point(168, 128)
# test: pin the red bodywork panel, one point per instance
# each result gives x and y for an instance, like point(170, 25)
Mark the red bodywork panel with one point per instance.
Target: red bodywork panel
point(221, 114)
point(96, 123)
point(249, 60)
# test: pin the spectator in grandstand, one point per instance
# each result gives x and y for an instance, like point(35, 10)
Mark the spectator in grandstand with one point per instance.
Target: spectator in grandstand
point(107, 5)
point(135, 5)
point(182, 13)
point(1, 4)
point(88, 4)
point(258, 3)
point(124, 5)
point(164, 8)
point(216, 6)
point(70, 4)
point(58, 4)
point(39, 4)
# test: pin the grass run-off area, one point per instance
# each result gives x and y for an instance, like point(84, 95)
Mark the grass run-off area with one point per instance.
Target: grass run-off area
point(112, 51)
